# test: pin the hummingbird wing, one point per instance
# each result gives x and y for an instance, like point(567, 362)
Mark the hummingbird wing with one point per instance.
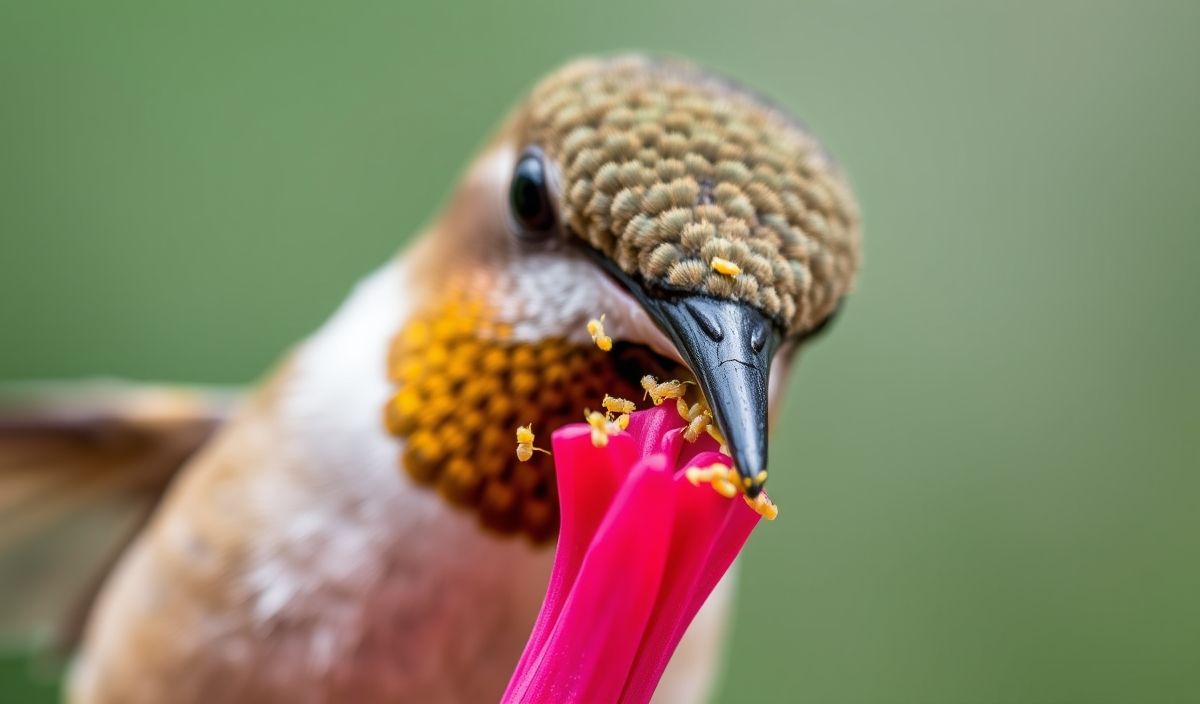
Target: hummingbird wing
point(82, 466)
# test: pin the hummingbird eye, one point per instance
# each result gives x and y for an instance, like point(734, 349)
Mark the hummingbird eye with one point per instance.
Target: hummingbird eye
point(529, 198)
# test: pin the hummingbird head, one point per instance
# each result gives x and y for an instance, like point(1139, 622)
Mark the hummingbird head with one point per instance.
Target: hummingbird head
point(706, 224)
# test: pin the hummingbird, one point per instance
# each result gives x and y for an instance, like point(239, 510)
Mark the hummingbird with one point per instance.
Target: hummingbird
point(357, 527)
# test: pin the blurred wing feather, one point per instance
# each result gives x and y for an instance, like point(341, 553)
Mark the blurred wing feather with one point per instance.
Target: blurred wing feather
point(82, 465)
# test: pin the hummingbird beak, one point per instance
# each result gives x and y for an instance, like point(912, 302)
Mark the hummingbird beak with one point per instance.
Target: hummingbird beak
point(729, 346)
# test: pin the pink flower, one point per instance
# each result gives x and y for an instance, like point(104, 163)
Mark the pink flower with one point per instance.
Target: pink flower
point(639, 551)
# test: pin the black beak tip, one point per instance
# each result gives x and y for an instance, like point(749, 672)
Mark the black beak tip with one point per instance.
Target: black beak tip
point(751, 469)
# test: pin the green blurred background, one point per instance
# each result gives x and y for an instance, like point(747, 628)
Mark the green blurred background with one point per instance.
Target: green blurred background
point(989, 475)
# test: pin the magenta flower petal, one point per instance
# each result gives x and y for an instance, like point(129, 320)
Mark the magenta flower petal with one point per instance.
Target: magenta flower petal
point(639, 551)
point(590, 492)
point(693, 569)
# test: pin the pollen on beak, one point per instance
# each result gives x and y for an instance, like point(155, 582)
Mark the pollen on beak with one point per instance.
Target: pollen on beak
point(729, 346)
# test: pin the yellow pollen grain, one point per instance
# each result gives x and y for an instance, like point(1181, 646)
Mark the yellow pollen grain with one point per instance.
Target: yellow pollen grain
point(720, 477)
point(659, 392)
point(602, 427)
point(595, 328)
point(715, 433)
point(621, 408)
point(724, 266)
point(763, 506)
point(698, 418)
point(725, 488)
point(525, 446)
point(695, 427)
point(595, 419)
point(613, 404)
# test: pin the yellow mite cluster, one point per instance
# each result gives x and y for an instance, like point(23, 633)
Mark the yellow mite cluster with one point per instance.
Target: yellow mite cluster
point(724, 266)
point(620, 407)
point(525, 446)
point(612, 404)
point(723, 479)
point(763, 505)
point(595, 328)
point(659, 392)
point(603, 425)
point(698, 418)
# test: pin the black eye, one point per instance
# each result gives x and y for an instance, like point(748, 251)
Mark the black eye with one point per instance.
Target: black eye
point(528, 196)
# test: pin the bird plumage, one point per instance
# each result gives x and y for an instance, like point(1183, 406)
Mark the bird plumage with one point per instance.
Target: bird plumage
point(295, 560)
point(347, 535)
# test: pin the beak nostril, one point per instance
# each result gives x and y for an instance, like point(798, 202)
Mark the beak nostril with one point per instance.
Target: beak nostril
point(758, 338)
point(707, 322)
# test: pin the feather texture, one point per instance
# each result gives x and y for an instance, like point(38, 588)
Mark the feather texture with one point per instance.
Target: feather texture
point(81, 467)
